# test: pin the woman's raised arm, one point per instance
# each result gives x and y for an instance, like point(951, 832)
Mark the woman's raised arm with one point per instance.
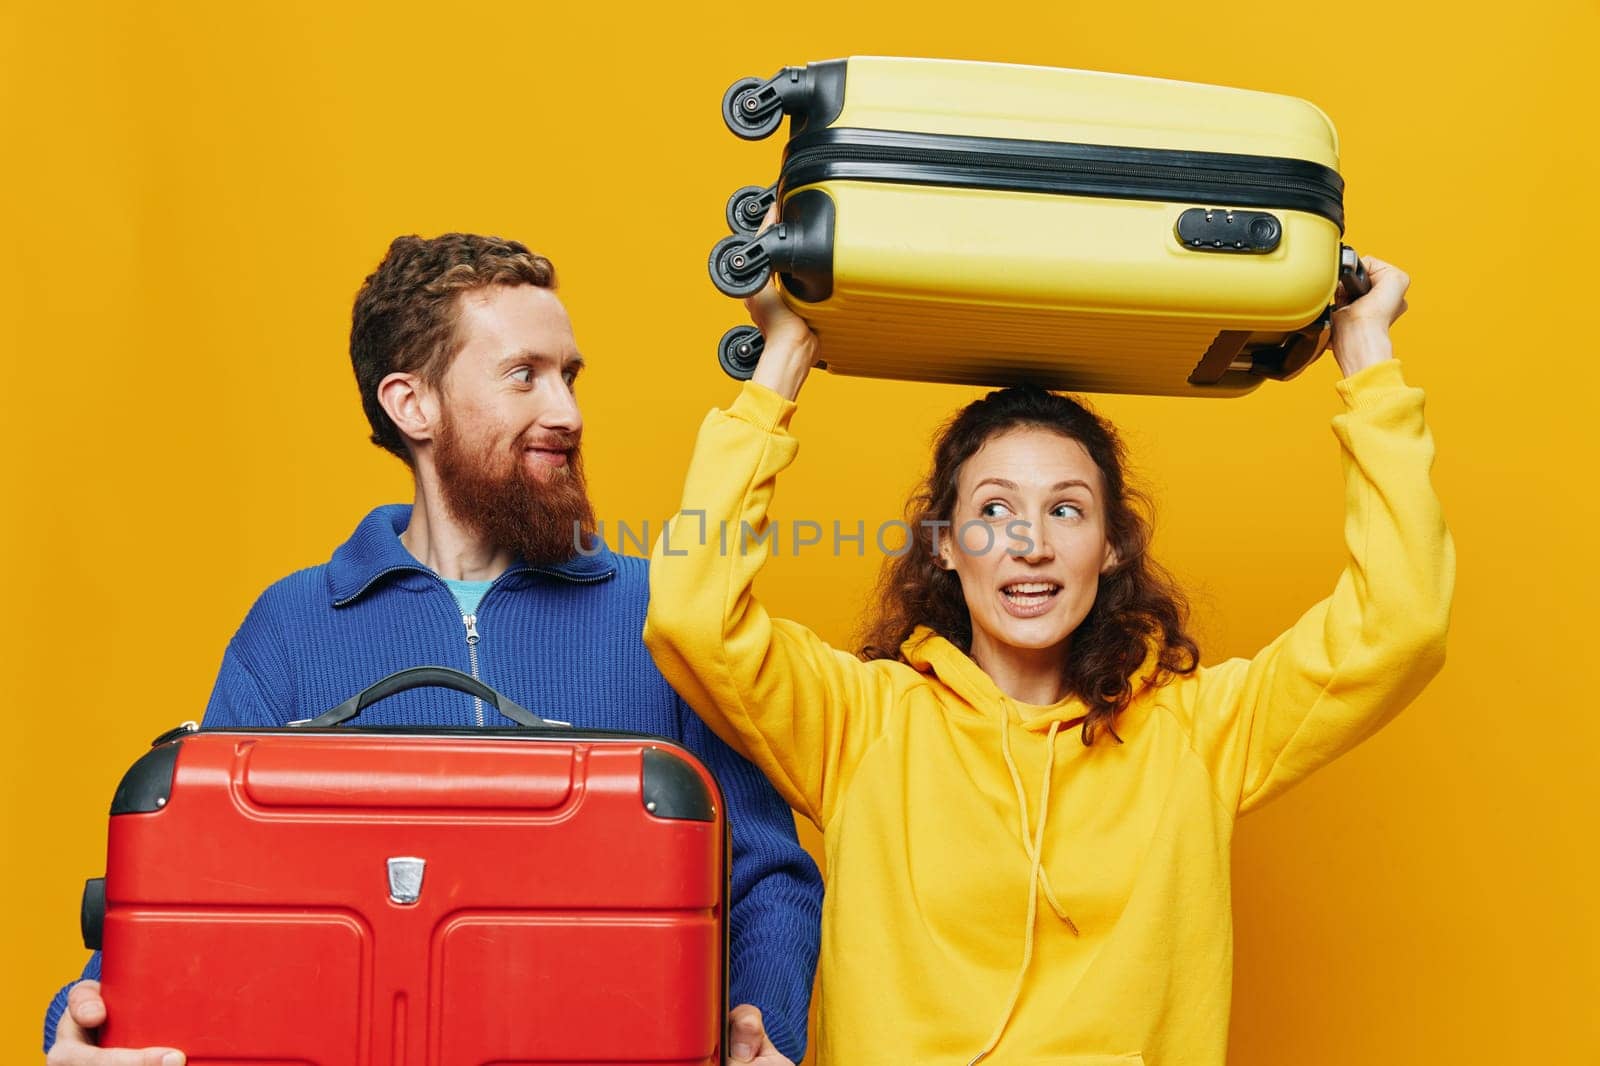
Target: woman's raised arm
point(1360, 656)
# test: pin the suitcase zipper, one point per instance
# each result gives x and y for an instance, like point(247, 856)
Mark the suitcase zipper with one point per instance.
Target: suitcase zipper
point(471, 622)
point(1118, 172)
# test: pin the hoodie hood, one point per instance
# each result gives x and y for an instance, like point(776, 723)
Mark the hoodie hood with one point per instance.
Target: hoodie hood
point(929, 653)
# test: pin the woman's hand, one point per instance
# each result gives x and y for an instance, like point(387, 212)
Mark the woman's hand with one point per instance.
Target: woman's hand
point(791, 348)
point(1361, 327)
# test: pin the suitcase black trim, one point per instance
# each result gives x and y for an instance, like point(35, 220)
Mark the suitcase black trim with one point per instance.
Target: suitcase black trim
point(92, 913)
point(823, 99)
point(671, 789)
point(808, 263)
point(1119, 172)
point(147, 785)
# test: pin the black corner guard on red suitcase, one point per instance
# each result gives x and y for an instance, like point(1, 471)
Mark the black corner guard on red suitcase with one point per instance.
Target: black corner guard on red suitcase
point(148, 782)
point(672, 789)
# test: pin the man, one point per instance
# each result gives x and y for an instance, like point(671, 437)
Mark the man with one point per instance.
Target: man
point(466, 363)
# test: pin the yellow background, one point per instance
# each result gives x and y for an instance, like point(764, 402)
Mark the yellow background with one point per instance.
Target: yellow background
point(192, 194)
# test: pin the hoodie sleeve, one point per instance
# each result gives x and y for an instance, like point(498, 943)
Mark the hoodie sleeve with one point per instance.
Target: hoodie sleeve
point(801, 710)
point(1356, 659)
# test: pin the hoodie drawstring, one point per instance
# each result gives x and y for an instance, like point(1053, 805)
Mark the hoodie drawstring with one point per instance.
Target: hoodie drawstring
point(1033, 843)
point(1035, 848)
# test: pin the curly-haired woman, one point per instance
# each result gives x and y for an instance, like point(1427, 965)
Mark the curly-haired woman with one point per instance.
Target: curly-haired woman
point(1026, 782)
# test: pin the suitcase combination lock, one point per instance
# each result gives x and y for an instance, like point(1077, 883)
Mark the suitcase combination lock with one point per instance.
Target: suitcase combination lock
point(1217, 229)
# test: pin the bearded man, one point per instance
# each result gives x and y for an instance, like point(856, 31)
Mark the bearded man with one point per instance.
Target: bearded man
point(466, 363)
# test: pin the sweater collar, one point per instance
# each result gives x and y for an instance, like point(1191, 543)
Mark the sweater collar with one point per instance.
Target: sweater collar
point(374, 550)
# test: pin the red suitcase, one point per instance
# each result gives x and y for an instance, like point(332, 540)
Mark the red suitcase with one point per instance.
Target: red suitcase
point(342, 897)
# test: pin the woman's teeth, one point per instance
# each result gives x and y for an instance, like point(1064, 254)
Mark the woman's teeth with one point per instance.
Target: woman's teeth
point(1030, 593)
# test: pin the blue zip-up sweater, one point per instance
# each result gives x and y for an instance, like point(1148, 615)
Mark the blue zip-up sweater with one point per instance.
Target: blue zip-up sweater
point(563, 641)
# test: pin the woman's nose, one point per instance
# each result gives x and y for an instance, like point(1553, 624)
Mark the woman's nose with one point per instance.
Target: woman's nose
point(1030, 544)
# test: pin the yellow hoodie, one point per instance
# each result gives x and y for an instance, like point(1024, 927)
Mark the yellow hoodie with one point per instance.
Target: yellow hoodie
point(995, 889)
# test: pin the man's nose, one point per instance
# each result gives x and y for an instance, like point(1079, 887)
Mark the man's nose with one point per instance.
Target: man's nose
point(562, 411)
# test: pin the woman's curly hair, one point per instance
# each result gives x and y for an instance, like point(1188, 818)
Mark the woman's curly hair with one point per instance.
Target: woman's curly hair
point(1138, 603)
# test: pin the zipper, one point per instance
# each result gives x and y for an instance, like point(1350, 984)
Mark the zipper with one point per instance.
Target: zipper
point(1115, 171)
point(375, 578)
point(471, 622)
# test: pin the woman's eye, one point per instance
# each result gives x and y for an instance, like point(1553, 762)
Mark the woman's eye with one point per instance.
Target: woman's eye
point(994, 509)
point(1066, 510)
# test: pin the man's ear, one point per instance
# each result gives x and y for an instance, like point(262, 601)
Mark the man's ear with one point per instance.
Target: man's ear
point(411, 405)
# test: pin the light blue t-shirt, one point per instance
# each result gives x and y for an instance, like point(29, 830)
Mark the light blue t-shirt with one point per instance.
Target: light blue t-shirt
point(468, 593)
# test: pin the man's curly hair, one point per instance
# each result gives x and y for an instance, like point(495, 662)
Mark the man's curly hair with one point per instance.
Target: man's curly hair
point(406, 312)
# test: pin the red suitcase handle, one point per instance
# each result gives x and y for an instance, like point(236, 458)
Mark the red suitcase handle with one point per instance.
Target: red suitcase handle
point(419, 677)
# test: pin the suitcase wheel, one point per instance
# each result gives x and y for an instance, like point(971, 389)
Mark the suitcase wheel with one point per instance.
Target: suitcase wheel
point(748, 113)
point(739, 350)
point(748, 206)
point(739, 266)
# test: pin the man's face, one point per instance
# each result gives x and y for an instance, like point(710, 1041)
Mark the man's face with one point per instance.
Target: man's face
point(507, 450)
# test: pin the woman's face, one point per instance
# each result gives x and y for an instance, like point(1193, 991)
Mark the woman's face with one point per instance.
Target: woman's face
point(1028, 540)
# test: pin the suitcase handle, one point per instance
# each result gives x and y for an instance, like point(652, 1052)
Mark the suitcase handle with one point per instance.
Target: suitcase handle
point(419, 677)
point(1353, 272)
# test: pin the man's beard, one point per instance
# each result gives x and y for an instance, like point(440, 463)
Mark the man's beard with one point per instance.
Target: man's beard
point(495, 495)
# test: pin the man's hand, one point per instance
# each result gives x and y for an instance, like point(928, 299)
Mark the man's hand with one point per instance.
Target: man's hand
point(747, 1038)
point(75, 1046)
point(1361, 327)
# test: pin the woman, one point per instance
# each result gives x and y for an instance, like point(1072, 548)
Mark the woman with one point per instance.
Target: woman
point(1026, 784)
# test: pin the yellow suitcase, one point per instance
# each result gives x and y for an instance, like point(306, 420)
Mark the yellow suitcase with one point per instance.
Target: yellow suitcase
point(987, 223)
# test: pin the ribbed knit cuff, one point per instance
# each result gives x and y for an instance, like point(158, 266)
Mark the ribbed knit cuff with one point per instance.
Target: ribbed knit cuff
point(1368, 385)
point(763, 408)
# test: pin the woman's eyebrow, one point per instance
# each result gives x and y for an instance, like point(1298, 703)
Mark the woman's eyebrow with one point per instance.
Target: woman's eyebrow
point(1057, 487)
point(1002, 482)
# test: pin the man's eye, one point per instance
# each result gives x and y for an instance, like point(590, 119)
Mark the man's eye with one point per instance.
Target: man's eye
point(994, 509)
point(523, 374)
point(570, 377)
